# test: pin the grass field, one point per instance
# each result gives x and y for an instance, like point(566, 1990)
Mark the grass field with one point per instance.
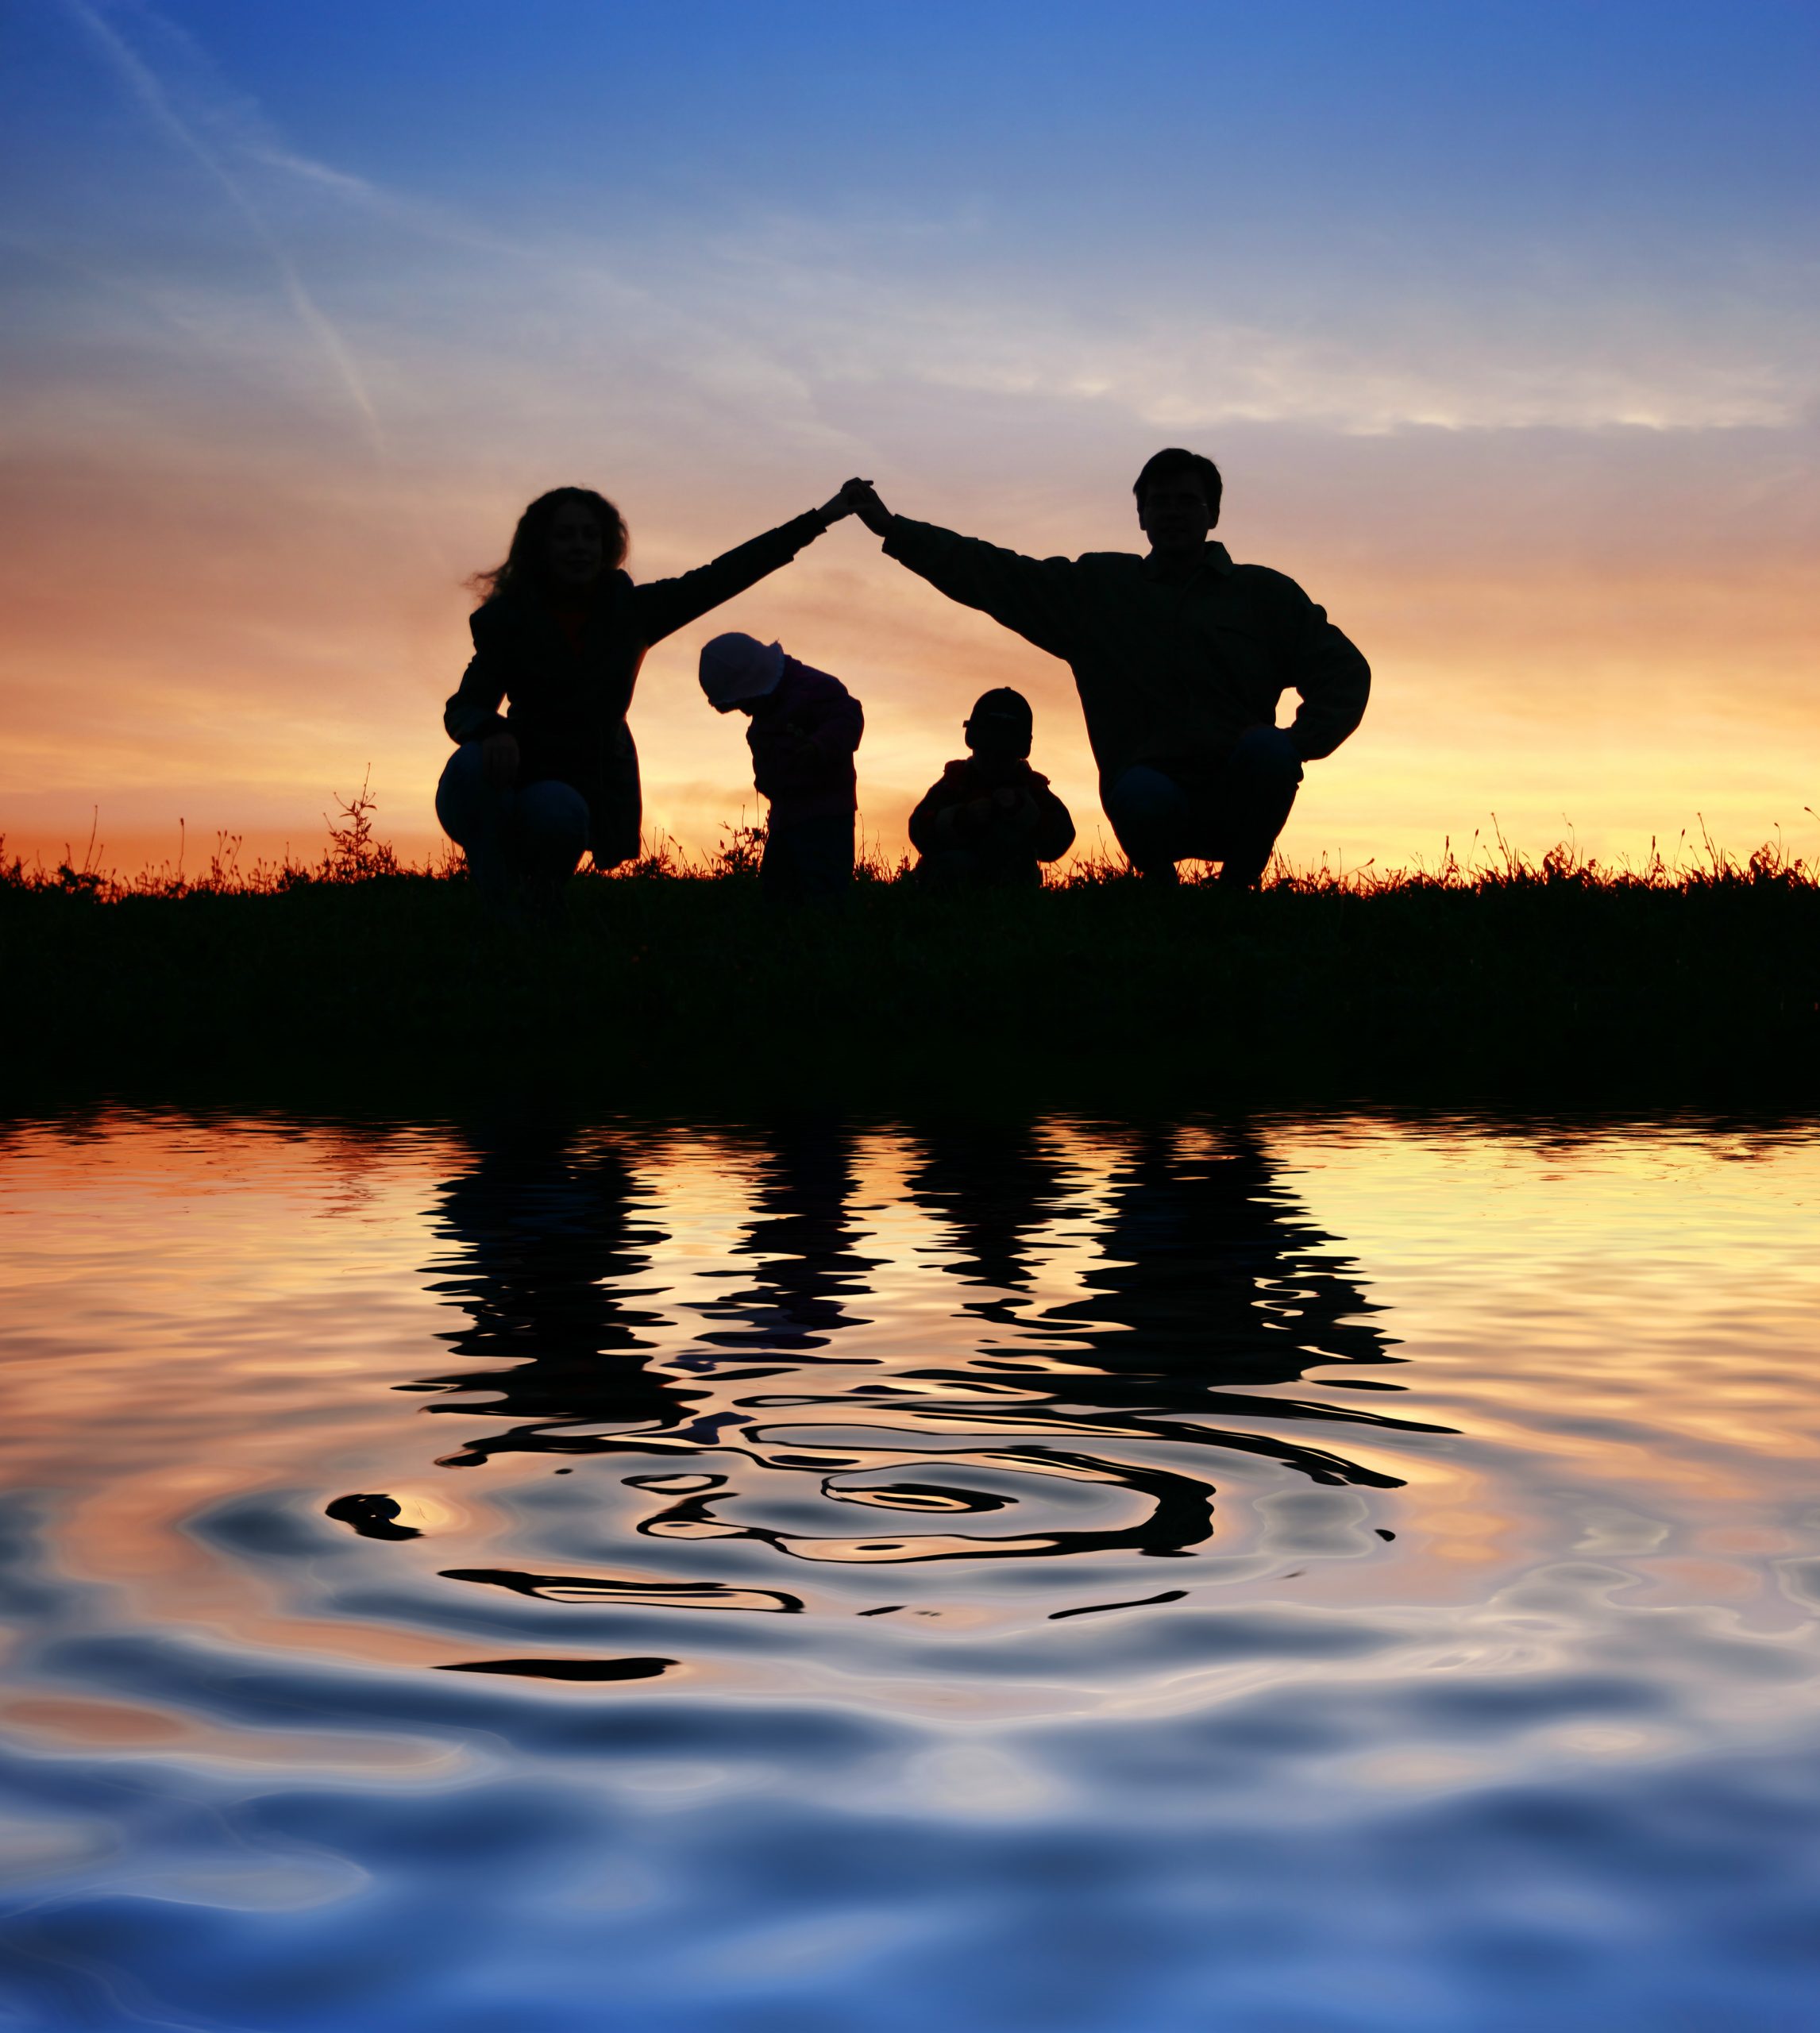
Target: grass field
point(1558, 980)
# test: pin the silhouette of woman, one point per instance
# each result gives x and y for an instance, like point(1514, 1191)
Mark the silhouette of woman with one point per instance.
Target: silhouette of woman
point(561, 636)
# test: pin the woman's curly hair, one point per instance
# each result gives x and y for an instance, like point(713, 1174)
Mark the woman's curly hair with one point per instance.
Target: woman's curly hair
point(527, 561)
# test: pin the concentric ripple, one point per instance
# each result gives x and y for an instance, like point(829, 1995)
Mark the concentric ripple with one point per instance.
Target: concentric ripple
point(1197, 1574)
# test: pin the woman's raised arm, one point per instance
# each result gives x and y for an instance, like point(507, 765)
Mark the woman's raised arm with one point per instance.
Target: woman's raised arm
point(665, 605)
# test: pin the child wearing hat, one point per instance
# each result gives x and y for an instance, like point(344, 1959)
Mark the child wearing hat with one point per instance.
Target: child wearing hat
point(805, 728)
point(991, 819)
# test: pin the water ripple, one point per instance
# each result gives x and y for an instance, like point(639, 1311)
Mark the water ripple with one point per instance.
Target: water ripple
point(709, 1578)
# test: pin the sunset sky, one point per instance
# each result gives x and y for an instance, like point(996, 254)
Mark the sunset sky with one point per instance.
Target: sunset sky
point(1500, 320)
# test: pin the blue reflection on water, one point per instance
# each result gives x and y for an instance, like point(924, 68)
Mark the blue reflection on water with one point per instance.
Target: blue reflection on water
point(865, 1639)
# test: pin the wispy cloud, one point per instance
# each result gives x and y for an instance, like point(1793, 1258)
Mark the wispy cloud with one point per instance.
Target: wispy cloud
point(1518, 353)
point(785, 310)
point(1567, 490)
point(149, 93)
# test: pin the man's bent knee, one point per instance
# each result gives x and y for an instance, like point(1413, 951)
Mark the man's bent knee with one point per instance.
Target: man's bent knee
point(1144, 797)
point(1268, 755)
point(1263, 772)
point(1146, 809)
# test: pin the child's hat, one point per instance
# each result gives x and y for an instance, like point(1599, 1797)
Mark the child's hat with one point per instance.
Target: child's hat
point(1002, 718)
point(735, 667)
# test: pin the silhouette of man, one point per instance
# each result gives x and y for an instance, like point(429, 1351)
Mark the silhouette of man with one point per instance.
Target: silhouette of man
point(1179, 657)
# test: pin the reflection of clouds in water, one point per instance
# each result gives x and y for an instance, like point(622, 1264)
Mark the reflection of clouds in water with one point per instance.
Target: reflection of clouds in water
point(1082, 1418)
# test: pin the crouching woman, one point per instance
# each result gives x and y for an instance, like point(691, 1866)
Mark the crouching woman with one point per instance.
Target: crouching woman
point(558, 642)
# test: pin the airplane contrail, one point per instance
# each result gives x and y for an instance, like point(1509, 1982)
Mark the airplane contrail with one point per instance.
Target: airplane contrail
point(144, 85)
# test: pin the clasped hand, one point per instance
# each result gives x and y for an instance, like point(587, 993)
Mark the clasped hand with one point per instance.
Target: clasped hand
point(860, 498)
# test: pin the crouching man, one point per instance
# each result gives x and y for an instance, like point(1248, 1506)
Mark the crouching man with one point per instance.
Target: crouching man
point(1180, 657)
point(805, 728)
point(991, 820)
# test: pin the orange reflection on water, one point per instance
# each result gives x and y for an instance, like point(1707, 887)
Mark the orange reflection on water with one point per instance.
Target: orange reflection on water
point(1299, 1361)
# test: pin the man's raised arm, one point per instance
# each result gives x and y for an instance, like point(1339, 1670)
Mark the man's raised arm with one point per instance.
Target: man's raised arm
point(1034, 596)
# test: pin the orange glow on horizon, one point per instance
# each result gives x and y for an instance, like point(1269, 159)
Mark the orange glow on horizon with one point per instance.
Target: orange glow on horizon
point(254, 654)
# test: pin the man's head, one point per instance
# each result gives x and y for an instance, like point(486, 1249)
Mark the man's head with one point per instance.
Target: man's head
point(738, 671)
point(1000, 727)
point(1178, 499)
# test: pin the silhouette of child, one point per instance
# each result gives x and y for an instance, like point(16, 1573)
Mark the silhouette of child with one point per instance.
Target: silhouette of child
point(991, 819)
point(805, 727)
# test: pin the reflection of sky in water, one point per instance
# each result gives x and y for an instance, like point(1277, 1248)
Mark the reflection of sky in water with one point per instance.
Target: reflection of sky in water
point(1082, 1574)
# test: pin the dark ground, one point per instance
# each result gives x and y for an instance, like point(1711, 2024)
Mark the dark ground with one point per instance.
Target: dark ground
point(1538, 986)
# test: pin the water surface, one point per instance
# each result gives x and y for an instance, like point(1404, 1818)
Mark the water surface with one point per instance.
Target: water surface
point(1267, 1574)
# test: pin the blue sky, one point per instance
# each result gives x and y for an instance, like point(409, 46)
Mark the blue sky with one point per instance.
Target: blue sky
point(1502, 320)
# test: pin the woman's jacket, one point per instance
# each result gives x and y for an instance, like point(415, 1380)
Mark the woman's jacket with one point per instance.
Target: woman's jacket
point(567, 698)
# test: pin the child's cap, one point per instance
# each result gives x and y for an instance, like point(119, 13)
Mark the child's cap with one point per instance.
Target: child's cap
point(736, 668)
point(1001, 719)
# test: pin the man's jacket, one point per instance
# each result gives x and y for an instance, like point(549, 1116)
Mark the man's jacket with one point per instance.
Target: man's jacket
point(1009, 840)
point(1171, 670)
point(802, 737)
point(568, 697)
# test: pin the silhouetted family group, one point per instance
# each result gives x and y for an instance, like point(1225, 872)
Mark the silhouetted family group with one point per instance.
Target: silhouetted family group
point(1179, 656)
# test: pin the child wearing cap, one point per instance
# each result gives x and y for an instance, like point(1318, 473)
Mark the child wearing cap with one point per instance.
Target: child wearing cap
point(991, 819)
point(805, 728)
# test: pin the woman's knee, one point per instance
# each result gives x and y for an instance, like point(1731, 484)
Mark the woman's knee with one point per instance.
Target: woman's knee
point(553, 821)
point(462, 792)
